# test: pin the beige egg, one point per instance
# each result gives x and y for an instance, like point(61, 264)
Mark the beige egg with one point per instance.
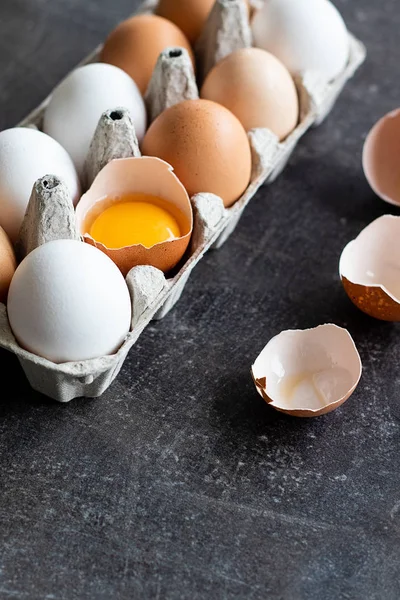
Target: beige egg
point(380, 157)
point(206, 145)
point(8, 264)
point(135, 45)
point(257, 88)
point(145, 175)
point(369, 269)
point(308, 373)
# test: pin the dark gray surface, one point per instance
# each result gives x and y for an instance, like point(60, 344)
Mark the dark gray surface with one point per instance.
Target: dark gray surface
point(180, 482)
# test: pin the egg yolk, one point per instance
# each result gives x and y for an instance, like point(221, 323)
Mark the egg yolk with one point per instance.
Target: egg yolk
point(142, 220)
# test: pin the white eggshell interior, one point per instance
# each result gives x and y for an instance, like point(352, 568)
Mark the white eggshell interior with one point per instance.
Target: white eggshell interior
point(381, 158)
point(373, 258)
point(306, 35)
point(309, 369)
point(79, 101)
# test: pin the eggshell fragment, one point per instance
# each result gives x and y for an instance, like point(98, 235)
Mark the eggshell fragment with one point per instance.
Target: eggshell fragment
point(206, 145)
point(136, 43)
point(8, 264)
point(370, 269)
point(308, 373)
point(78, 102)
point(306, 35)
point(130, 175)
point(257, 88)
point(381, 158)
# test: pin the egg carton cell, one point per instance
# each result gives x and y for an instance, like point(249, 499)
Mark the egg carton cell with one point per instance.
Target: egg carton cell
point(152, 293)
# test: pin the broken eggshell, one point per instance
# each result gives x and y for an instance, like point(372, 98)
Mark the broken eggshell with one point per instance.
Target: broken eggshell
point(147, 175)
point(308, 373)
point(380, 157)
point(369, 269)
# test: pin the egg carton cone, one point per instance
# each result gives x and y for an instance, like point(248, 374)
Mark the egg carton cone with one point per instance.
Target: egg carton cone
point(173, 80)
point(152, 293)
point(227, 30)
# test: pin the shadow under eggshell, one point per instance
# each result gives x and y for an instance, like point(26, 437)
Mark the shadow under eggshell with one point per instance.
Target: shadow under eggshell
point(146, 175)
point(381, 156)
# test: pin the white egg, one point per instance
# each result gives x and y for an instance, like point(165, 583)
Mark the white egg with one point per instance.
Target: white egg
point(79, 101)
point(69, 302)
point(25, 156)
point(306, 35)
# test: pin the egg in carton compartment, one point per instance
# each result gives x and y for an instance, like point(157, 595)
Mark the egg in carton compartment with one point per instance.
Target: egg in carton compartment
point(153, 294)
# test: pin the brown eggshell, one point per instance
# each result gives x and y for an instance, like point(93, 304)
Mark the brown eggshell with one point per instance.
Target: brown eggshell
point(381, 158)
point(370, 266)
point(8, 264)
point(257, 88)
point(373, 301)
point(136, 43)
point(131, 175)
point(207, 146)
point(189, 15)
point(308, 373)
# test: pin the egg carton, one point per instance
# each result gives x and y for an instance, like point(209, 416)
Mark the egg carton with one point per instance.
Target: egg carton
point(153, 294)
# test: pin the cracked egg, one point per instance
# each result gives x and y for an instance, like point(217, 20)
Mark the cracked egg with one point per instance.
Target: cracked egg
point(138, 213)
point(308, 373)
point(380, 158)
point(370, 269)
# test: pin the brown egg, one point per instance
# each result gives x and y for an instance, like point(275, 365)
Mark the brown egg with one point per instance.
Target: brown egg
point(8, 264)
point(136, 43)
point(189, 15)
point(140, 176)
point(206, 145)
point(257, 88)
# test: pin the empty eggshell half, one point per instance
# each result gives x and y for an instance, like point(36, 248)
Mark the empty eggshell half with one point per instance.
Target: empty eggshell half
point(381, 155)
point(147, 175)
point(308, 373)
point(370, 267)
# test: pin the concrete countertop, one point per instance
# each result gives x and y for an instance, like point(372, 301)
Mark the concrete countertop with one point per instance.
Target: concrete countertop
point(180, 483)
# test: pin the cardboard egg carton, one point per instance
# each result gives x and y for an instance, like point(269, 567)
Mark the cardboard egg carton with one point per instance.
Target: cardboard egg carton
point(153, 294)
